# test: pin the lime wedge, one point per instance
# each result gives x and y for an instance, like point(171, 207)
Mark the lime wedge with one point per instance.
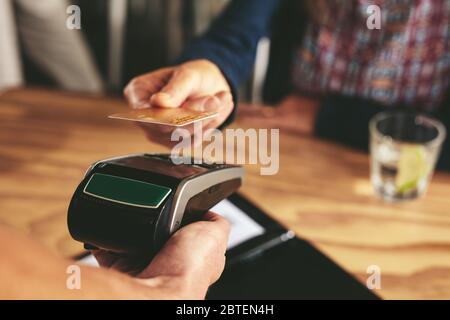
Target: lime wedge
point(412, 167)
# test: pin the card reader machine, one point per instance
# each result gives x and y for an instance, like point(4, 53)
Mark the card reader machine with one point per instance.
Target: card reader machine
point(132, 204)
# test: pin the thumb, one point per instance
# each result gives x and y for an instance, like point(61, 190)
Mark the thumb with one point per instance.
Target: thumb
point(180, 86)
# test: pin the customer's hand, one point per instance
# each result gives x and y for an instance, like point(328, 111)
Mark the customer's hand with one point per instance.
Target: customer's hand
point(196, 85)
point(192, 259)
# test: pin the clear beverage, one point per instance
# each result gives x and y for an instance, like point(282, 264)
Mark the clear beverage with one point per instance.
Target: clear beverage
point(404, 148)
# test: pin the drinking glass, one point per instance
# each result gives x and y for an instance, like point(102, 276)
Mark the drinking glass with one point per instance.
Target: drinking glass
point(404, 148)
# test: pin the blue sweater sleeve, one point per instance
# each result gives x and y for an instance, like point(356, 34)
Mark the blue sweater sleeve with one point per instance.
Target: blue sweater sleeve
point(231, 40)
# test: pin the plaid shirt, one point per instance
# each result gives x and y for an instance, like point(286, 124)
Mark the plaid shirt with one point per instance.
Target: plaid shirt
point(406, 62)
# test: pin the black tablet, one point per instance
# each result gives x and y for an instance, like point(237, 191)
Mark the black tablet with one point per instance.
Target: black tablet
point(267, 261)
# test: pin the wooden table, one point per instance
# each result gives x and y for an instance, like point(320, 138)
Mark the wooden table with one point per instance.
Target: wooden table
point(322, 191)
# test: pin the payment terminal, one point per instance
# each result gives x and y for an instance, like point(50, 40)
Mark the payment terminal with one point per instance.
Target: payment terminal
point(132, 204)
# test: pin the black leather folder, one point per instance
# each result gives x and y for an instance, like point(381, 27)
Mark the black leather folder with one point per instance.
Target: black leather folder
point(280, 265)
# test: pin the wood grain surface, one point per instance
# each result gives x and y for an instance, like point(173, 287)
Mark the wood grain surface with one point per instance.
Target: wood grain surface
point(322, 190)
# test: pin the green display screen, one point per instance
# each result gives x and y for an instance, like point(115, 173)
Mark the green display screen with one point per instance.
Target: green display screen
point(126, 191)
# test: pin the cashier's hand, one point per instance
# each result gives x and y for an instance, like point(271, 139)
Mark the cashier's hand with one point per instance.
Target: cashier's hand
point(196, 85)
point(191, 260)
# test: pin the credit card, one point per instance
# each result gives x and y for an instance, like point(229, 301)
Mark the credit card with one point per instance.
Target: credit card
point(176, 117)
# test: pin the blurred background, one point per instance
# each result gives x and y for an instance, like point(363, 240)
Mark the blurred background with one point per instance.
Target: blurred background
point(142, 35)
point(118, 40)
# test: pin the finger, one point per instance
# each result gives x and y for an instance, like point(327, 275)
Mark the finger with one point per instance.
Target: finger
point(178, 89)
point(213, 103)
point(126, 264)
point(138, 96)
point(226, 107)
point(203, 104)
point(219, 220)
point(139, 90)
point(220, 103)
point(220, 226)
point(225, 97)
